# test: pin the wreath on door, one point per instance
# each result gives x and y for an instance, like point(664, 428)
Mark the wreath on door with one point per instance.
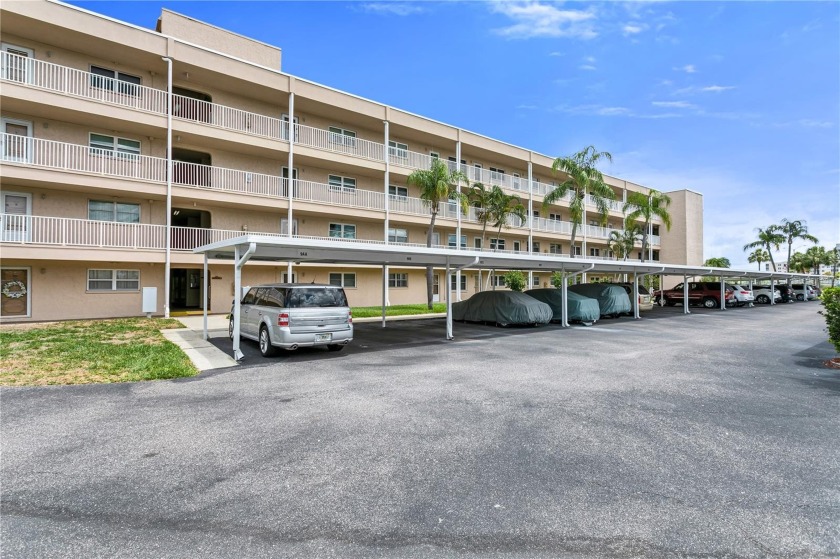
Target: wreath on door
point(14, 294)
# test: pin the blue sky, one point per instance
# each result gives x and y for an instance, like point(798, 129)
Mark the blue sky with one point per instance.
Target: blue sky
point(739, 101)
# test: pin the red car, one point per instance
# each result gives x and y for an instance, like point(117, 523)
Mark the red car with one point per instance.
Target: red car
point(706, 293)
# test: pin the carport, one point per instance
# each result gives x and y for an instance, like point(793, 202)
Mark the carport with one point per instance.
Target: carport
point(245, 248)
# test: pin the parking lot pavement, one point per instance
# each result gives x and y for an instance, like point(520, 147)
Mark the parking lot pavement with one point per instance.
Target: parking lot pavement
point(708, 435)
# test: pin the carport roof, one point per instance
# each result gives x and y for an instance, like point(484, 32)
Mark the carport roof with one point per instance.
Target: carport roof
point(363, 252)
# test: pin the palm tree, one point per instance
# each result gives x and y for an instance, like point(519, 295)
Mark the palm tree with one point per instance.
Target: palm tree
point(506, 206)
point(718, 262)
point(792, 230)
point(799, 262)
point(622, 242)
point(767, 239)
point(582, 178)
point(816, 256)
point(646, 206)
point(482, 200)
point(759, 255)
point(437, 184)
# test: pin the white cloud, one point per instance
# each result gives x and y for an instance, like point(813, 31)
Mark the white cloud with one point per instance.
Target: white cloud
point(587, 67)
point(674, 104)
point(688, 69)
point(391, 8)
point(527, 107)
point(633, 29)
point(536, 19)
point(707, 89)
point(717, 88)
point(556, 53)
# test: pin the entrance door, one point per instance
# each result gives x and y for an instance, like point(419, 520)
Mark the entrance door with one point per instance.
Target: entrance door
point(186, 289)
point(16, 141)
point(436, 288)
point(15, 222)
point(17, 63)
point(15, 297)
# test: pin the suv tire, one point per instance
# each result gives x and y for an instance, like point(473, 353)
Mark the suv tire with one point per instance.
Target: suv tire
point(763, 299)
point(266, 349)
point(709, 303)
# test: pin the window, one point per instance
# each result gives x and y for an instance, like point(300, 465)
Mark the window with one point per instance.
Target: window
point(397, 149)
point(343, 279)
point(535, 281)
point(656, 255)
point(397, 235)
point(434, 155)
point(577, 250)
point(498, 280)
point(435, 239)
point(594, 252)
point(284, 227)
point(284, 133)
point(611, 254)
point(477, 171)
point(497, 174)
point(18, 63)
point(113, 280)
point(655, 230)
point(113, 211)
point(104, 78)
point(497, 244)
point(398, 191)
point(535, 246)
point(342, 137)
point(397, 280)
point(477, 243)
point(451, 240)
point(342, 231)
point(109, 145)
point(536, 213)
point(555, 217)
point(517, 183)
point(342, 183)
point(516, 246)
point(453, 282)
point(555, 248)
point(286, 277)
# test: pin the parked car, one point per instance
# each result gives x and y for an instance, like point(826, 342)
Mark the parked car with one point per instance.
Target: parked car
point(645, 298)
point(788, 294)
point(290, 316)
point(581, 309)
point(612, 299)
point(503, 308)
point(743, 296)
point(706, 293)
point(804, 292)
point(762, 294)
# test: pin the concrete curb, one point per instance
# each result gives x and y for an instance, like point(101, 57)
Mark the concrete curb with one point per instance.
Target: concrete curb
point(202, 353)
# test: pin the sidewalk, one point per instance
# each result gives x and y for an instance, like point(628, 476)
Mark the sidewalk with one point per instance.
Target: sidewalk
point(202, 353)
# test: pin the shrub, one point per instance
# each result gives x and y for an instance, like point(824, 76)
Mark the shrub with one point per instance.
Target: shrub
point(831, 302)
point(515, 280)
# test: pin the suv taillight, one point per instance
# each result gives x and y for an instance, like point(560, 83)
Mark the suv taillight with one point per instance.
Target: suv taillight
point(283, 319)
point(349, 316)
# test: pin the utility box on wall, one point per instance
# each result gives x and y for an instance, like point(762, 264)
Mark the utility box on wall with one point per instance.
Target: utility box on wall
point(149, 301)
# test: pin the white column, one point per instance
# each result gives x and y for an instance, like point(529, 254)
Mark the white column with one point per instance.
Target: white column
point(385, 293)
point(167, 268)
point(458, 226)
point(291, 185)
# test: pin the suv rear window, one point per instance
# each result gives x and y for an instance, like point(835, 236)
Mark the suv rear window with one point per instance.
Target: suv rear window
point(306, 297)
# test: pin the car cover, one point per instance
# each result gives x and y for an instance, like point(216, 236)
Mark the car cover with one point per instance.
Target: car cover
point(502, 307)
point(612, 299)
point(581, 309)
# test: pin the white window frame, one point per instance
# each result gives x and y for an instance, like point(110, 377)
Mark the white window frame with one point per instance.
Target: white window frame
point(436, 239)
point(397, 235)
point(286, 277)
point(555, 248)
point(577, 250)
point(535, 281)
point(284, 130)
point(342, 184)
point(345, 279)
point(115, 148)
point(498, 280)
point(497, 244)
point(453, 282)
point(397, 149)
point(113, 279)
point(535, 246)
point(477, 168)
point(451, 240)
point(397, 192)
point(517, 246)
point(594, 251)
point(434, 155)
point(114, 210)
point(26, 157)
point(115, 82)
point(398, 280)
point(477, 243)
point(344, 228)
point(517, 181)
point(284, 226)
point(555, 217)
point(28, 65)
point(497, 174)
point(342, 136)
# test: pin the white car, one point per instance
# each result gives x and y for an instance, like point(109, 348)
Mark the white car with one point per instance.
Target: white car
point(743, 296)
point(762, 295)
point(799, 289)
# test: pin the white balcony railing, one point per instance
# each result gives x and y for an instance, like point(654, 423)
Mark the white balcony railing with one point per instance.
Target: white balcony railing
point(229, 180)
point(220, 116)
point(338, 143)
point(78, 83)
point(35, 152)
point(335, 196)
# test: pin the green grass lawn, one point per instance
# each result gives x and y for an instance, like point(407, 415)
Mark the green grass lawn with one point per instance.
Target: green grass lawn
point(398, 310)
point(90, 351)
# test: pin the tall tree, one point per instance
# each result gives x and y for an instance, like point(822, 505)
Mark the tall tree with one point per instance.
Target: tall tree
point(437, 185)
point(717, 262)
point(646, 206)
point(582, 179)
point(506, 206)
point(622, 242)
point(798, 262)
point(792, 230)
point(759, 255)
point(482, 200)
point(817, 256)
point(767, 239)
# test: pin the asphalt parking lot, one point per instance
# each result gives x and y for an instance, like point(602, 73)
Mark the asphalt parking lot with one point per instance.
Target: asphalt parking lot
point(708, 435)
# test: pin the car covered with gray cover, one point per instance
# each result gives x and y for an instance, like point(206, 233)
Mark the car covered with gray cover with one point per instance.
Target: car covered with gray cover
point(612, 299)
point(505, 308)
point(581, 309)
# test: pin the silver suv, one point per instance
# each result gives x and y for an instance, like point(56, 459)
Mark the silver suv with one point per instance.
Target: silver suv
point(290, 315)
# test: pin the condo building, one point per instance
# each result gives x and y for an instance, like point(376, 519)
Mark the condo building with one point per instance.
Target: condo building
point(124, 148)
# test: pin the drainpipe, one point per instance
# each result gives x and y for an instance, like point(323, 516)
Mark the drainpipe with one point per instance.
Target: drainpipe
point(385, 293)
point(458, 269)
point(167, 267)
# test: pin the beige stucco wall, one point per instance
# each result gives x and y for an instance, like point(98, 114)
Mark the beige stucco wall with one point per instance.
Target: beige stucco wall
point(683, 244)
point(200, 33)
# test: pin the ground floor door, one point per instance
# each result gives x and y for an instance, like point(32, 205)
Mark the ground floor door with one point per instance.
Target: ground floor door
point(15, 297)
point(186, 289)
point(436, 288)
